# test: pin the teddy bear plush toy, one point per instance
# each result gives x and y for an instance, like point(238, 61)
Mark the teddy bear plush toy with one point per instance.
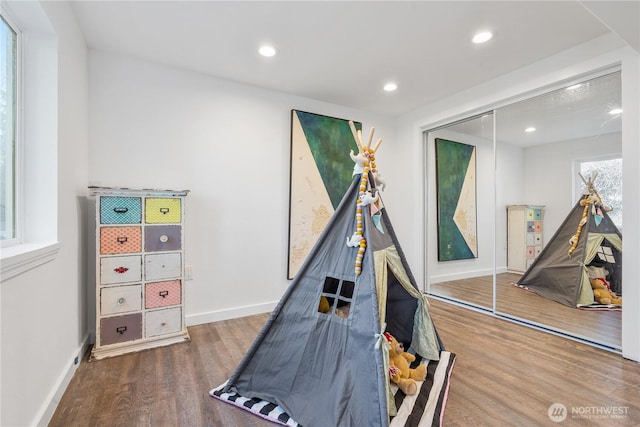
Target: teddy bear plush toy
point(602, 292)
point(601, 289)
point(400, 371)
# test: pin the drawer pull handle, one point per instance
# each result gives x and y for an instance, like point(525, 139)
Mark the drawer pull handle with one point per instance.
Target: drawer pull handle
point(121, 300)
point(121, 329)
point(163, 294)
point(121, 270)
point(164, 238)
point(121, 210)
point(121, 240)
point(164, 211)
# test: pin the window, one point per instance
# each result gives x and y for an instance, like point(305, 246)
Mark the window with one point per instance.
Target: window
point(29, 173)
point(8, 131)
point(608, 183)
point(336, 297)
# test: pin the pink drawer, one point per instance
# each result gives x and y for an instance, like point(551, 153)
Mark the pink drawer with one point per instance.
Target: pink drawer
point(120, 240)
point(163, 294)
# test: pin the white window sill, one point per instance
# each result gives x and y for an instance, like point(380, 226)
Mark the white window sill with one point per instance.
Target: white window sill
point(22, 258)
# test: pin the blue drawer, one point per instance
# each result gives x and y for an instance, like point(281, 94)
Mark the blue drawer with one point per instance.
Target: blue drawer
point(120, 210)
point(538, 215)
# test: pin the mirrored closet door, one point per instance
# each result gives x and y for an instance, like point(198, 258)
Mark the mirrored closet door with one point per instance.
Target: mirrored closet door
point(460, 211)
point(527, 160)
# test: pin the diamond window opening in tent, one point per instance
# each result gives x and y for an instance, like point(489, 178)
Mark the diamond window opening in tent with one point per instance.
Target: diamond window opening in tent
point(336, 297)
point(606, 254)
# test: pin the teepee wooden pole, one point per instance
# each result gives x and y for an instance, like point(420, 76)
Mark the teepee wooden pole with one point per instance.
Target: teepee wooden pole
point(370, 137)
point(355, 135)
point(375, 148)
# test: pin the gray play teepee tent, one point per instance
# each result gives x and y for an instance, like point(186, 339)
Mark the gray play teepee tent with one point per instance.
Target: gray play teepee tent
point(587, 237)
point(328, 366)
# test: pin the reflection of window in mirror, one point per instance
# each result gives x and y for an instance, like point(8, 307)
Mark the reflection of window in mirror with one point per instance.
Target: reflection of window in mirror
point(608, 183)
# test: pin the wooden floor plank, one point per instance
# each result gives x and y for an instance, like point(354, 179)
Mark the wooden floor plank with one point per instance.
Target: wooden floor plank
point(505, 374)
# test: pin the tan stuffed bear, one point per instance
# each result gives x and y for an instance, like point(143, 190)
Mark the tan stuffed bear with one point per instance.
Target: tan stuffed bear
point(601, 289)
point(603, 295)
point(324, 306)
point(399, 370)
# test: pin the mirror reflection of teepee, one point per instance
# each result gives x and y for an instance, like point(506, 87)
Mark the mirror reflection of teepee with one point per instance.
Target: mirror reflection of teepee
point(586, 246)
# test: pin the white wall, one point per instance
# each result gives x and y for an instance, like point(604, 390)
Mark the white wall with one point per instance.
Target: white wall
point(44, 323)
point(157, 127)
point(579, 61)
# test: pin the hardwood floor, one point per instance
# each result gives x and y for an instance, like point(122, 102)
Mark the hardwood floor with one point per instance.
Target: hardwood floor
point(505, 374)
point(602, 327)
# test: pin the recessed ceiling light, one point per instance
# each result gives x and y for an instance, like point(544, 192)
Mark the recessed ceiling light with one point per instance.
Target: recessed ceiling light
point(482, 37)
point(530, 129)
point(267, 50)
point(390, 87)
point(615, 111)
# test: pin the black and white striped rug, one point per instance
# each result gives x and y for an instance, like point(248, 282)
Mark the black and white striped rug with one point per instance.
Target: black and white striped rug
point(423, 409)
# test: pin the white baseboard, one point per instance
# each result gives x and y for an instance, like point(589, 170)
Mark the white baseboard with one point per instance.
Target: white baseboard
point(461, 275)
point(51, 403)
point(229, 313)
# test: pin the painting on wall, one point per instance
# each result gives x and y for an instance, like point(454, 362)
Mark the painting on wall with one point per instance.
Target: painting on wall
point(321, 172)
point(456, 199)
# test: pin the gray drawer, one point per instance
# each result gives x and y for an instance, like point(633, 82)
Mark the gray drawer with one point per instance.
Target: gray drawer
point(120, 328)
point(162, 238)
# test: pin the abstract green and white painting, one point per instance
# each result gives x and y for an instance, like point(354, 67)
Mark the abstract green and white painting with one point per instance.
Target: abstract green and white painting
point(456, 195)
point(321, 172)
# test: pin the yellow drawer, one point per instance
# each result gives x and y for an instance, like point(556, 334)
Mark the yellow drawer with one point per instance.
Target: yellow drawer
point(162, 210)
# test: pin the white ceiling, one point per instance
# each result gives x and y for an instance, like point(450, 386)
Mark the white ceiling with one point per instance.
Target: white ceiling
point(342, 52)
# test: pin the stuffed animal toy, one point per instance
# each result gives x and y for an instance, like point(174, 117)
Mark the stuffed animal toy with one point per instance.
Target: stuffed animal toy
point(399, 370)
point(324, 306)
point(602, 294)
point(601, 289)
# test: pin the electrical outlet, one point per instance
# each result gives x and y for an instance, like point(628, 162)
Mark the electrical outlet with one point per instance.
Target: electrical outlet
point(188, 272)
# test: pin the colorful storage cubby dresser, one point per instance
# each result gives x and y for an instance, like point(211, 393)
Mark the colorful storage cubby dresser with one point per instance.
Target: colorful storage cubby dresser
point(139, 270)
point(524, 236)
